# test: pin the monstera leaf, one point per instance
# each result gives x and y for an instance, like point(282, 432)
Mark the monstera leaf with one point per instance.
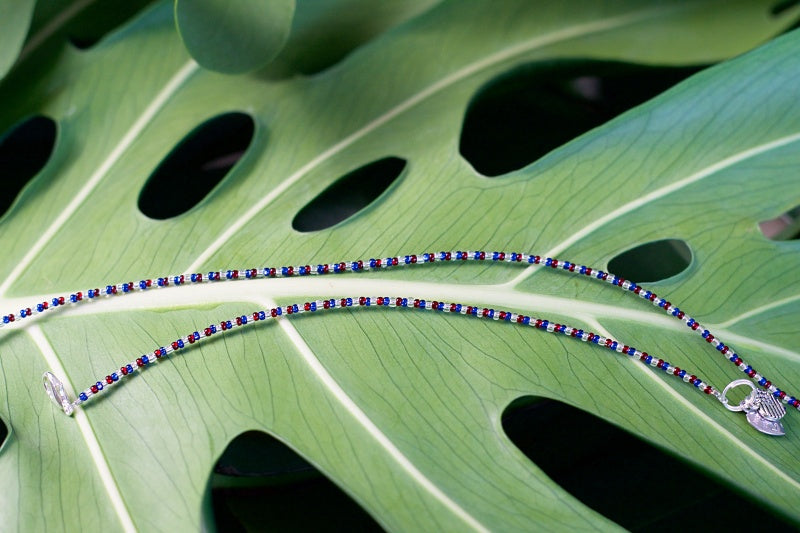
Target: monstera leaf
point(401, 409)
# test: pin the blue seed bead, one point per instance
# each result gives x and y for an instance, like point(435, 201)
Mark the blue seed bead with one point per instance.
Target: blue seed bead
point(662, 302)
point(180, 343)
point(682, 373)
point(613, 345)
point(526, 320)
point(762, 381)
point(114, 377)
point(129, 368)
point(548, 262)
point(349, 302)
point(458, 308)
point(124, 287)
point(83, 396)
point(422, 304)
point(99, 385)
point(73, 298)
point(706, 333)
point(40, 308)
point(545, 323)
point(145, 359)
point(22, 313)
point(648, 359)
point(404, 303)
point(530, 259)
point(55, 302)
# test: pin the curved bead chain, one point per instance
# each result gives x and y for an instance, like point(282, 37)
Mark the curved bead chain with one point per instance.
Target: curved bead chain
point(408, 260)
point(128, 369)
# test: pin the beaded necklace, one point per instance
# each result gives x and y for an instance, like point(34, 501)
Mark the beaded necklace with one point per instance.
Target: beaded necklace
point(762, 406)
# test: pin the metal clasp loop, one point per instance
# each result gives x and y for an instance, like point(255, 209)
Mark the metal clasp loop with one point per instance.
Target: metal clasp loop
point(55, 389)
point(747, 400)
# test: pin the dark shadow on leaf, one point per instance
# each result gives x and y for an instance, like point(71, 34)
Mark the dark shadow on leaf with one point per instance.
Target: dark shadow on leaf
point(349, 195)
point(527, 112)
point(652, 261)
point(784, 227)
point(782, 6)
point(260, 484)
point(98, 19)
point(196, 165)
point(24, 151)
point(324, 32)
point(626, 479)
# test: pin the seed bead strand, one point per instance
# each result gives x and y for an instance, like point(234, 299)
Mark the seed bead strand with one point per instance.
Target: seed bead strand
point(409, 260)
point(128, 369)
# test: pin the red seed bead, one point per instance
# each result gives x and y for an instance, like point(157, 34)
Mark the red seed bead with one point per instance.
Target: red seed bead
point(124, 370)
point(139, 362)
point(93, 388)
point(327, 305)
point(109, 380)
point(306, 307)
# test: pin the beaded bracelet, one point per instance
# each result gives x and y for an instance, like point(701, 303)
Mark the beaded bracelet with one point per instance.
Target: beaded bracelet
point(763, 407)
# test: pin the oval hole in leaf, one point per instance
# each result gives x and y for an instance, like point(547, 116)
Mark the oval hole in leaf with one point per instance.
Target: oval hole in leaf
point(525, 113)
point(24, 151)
point(785, 227)
point(349, 195)
point(3, 433)
point(624, 478)
point(259, 483)
point(196, 165)
point(652, 261)
point(98, 19)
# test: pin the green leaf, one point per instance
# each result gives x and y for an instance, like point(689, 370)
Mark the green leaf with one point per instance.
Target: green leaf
point(15, 17)
point(401, 409)
point(234, 36)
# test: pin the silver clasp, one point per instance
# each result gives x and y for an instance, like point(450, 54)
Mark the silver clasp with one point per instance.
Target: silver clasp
point(762, 409)
point(55, 389)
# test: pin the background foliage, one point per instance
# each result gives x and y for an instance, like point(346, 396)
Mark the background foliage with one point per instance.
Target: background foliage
point(402, 411)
